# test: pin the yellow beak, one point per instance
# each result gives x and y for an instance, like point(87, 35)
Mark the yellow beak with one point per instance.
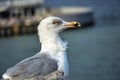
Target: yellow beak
point(73, 24)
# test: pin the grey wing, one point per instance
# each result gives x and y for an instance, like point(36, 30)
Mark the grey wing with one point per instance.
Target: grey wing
point(33, 66)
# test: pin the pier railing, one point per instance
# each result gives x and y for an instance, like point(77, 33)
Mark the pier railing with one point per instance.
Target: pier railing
point(18, 26)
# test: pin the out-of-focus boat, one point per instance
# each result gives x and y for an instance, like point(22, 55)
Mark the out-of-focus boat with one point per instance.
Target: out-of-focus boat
point(23, 16)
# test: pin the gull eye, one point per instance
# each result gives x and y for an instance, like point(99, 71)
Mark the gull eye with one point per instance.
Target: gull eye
point(57, 22)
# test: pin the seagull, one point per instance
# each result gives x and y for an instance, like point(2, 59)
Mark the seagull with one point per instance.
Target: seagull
point(52, 57)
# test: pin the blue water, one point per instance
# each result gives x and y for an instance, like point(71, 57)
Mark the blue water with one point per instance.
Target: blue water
point(93, 53)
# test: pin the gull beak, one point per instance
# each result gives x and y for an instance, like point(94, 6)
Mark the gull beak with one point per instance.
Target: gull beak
point(73, 24)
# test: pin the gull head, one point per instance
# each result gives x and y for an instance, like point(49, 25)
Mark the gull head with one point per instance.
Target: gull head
point(56, 25)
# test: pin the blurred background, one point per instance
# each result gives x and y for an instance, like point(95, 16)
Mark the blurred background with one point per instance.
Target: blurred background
point(94, 50)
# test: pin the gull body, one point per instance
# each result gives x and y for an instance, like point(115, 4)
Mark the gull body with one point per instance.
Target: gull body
point(52, 56)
